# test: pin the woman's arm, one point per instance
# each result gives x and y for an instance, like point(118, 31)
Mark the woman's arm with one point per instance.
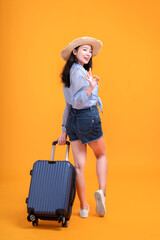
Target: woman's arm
point(82, 87)
point(62, 138)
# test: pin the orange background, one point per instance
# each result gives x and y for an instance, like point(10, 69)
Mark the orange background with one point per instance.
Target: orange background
point(32, 34)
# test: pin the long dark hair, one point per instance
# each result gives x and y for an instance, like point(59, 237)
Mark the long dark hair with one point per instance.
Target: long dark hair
point(65, 75)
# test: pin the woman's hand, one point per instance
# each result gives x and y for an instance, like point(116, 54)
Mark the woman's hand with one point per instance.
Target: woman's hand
point(93, 81)
point(62, 138)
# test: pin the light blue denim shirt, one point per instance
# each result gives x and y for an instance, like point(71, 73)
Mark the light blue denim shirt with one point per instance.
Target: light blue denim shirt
point(76, 95)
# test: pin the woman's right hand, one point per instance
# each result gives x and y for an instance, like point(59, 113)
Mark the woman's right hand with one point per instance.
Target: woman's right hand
point(62, 138)
point(93, 81)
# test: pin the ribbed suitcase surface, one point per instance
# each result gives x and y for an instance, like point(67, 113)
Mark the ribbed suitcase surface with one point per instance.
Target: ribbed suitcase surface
point(50, 187)
point(52, 190)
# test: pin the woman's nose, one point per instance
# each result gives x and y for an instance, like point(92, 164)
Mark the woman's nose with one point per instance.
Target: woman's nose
point(89, 53)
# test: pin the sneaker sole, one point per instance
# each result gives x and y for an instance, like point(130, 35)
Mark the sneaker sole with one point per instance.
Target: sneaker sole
point(100, 208)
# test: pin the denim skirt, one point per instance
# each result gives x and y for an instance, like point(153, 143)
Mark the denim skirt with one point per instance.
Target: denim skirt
point(84, 124)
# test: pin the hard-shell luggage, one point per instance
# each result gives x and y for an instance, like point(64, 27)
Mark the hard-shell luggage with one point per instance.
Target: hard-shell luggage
point(52, 190)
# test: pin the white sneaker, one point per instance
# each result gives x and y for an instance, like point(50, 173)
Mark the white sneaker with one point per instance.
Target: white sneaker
point(83, 212)
point(100, 203)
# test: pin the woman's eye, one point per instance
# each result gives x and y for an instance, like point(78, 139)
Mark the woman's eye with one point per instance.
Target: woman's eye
point(86, 50)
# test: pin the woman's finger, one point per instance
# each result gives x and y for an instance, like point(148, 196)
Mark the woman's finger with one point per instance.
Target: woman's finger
point(87, 74)
point(87, 79)
point(95, 76)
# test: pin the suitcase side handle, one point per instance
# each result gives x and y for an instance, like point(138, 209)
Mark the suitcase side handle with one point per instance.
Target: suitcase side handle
point(53, 150)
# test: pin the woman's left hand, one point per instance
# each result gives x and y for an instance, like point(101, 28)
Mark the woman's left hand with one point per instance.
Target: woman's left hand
point(93, 80)
point(62, 138)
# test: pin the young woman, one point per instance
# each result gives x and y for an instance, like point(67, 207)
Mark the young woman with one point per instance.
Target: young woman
point(81, 120)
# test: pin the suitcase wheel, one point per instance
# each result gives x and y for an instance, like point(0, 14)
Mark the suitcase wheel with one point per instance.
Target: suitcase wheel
point(33, 219)
point(35, 223)
point(65, 224)
point(63, 220)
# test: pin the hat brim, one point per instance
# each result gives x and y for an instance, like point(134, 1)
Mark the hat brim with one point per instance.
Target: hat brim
point(96, 46)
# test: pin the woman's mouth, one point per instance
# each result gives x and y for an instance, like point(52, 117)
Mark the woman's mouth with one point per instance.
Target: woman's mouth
point(87, 59)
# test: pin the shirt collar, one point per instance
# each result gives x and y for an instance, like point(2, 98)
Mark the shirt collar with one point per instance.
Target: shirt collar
point(77, 65)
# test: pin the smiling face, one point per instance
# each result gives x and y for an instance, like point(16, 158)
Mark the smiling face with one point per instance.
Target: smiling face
point(83, 54)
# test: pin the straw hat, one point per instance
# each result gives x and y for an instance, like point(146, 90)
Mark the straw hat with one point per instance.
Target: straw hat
point(96, 46)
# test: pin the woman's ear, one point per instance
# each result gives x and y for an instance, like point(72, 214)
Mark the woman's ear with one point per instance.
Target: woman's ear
point(75, 52)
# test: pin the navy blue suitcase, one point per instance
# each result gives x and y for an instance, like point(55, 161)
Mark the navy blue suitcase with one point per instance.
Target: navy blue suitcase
point(52, 190)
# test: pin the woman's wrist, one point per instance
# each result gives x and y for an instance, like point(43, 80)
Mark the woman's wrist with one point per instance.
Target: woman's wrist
point(89, 90)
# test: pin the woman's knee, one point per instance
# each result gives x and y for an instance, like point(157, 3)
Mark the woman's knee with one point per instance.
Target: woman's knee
point(101, 156)
point(79, 168)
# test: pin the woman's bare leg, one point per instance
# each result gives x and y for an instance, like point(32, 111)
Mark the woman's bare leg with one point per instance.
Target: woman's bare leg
point(79, 153)
point(98, 147)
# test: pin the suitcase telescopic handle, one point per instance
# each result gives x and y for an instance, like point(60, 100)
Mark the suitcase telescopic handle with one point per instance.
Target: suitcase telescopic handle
point(53, 150)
